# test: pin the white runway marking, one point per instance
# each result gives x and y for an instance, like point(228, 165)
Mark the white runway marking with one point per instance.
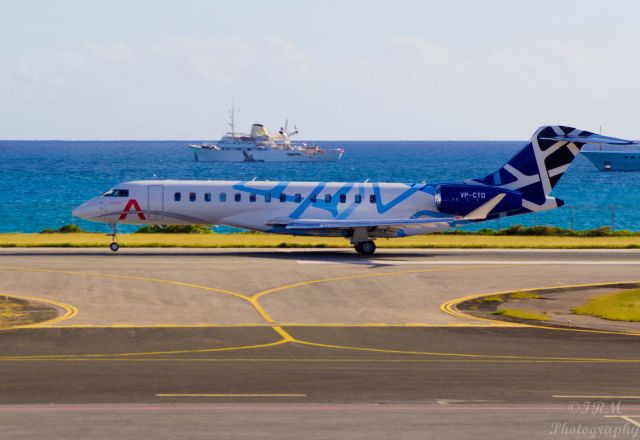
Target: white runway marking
point(231, 395)
point(380, 262)
point(627, 418)
point(595, 397)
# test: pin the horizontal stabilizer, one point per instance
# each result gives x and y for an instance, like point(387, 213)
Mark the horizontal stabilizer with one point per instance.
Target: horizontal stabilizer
point(483, 211)
point(590, 139)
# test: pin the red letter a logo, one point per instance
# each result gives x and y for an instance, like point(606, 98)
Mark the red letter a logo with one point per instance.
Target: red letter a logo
point(132, 204)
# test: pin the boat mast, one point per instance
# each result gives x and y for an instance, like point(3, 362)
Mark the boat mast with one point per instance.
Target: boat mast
point(232, 122)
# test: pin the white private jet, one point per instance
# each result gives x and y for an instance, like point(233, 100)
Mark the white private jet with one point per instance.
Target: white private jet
point(361, 211)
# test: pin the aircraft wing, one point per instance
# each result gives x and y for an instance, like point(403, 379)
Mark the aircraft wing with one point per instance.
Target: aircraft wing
point(364, 223)
point(479, 213)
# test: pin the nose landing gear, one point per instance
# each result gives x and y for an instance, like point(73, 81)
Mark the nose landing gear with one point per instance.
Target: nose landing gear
point(114, 238)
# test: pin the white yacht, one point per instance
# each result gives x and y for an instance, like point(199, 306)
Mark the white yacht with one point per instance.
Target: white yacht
point(259, 146)
point(617, 159)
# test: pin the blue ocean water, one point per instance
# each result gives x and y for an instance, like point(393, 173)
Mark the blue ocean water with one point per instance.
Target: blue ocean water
point(40, 181)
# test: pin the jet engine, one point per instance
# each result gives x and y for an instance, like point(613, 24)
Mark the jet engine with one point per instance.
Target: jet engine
point(455, 199)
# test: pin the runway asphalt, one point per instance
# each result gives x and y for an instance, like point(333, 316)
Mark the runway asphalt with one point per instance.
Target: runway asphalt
point(307, 343)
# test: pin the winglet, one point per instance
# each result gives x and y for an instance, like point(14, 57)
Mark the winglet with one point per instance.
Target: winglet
point(482, 212)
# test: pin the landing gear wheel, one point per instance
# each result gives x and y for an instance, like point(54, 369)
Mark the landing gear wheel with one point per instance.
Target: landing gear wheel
point(365, 247)
point(368, 247)
point(114, 247)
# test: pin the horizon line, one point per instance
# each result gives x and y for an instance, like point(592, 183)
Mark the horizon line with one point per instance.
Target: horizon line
point(301, 140)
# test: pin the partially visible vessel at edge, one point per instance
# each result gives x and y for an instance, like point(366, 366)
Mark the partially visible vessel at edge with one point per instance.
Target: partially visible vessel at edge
point(259, 146)
point(620, 159)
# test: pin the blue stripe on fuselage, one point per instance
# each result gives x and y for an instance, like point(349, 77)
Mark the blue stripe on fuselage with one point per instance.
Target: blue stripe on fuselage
point(382, 208)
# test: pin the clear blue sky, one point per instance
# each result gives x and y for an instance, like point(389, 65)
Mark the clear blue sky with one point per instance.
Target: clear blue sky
point(159, 69)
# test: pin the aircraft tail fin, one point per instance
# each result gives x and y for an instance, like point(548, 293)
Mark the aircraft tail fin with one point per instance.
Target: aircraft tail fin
point(536, 169)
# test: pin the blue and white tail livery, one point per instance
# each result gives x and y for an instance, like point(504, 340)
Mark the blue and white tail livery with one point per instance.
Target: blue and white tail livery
point(359, 211)
point(536, 169)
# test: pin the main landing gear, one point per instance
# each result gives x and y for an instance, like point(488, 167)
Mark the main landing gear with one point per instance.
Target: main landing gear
point(361, 242)
point(114, 238)
point(365, 247)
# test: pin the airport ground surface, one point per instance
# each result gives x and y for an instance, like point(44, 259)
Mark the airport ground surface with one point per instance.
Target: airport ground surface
point(308, 343)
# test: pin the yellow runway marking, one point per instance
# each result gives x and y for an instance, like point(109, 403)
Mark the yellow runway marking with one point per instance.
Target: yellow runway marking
point(256, 297)
point(127, 277)
point(148, 353)
point(282, 324)
point(450, 307)
point(160, 325)
point(232, 395)
point(261, 311)
point(326, 360)
point(293, 360)
point(254, 300)
point(259, 295)
point(465, 355)
point(202, 350)
point(69, 311)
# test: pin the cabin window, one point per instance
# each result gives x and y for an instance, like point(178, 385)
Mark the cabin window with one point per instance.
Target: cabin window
point(223, 197)
point(192, 197)
point(237, 197)
point(343, 198)
point(207, 197)
point(372, 198)
point(252, 198)
point(327, 198)
point(297, 198)
point(177, 196)
point(267, 198)
point(358, 198)
point(312, 198)
point(283, 197)
point(116, 193)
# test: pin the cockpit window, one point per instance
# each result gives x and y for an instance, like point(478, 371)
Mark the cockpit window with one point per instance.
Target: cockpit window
point(116, 193)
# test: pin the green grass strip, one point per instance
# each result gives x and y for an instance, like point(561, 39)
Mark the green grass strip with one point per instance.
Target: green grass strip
point(276, 241)
point(623, 306)
point(521, 314)
point(523, 295)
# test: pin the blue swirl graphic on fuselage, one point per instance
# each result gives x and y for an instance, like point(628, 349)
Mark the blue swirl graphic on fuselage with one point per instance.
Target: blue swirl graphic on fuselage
point(274, 192)
point(320, 203)
point(349, 210)
point(332, 205)
point(307, 202)
point(429, 189)
point(382, 207)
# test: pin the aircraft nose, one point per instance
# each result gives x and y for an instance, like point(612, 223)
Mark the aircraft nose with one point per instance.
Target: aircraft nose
point(84, 211)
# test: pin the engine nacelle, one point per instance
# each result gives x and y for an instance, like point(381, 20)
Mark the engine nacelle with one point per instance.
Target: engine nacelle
point(462, 199)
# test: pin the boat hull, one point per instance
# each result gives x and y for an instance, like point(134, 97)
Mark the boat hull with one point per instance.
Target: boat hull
point(256, 155)
point(614, 160)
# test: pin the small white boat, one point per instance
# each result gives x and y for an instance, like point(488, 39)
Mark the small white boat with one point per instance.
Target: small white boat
point(259, 146)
